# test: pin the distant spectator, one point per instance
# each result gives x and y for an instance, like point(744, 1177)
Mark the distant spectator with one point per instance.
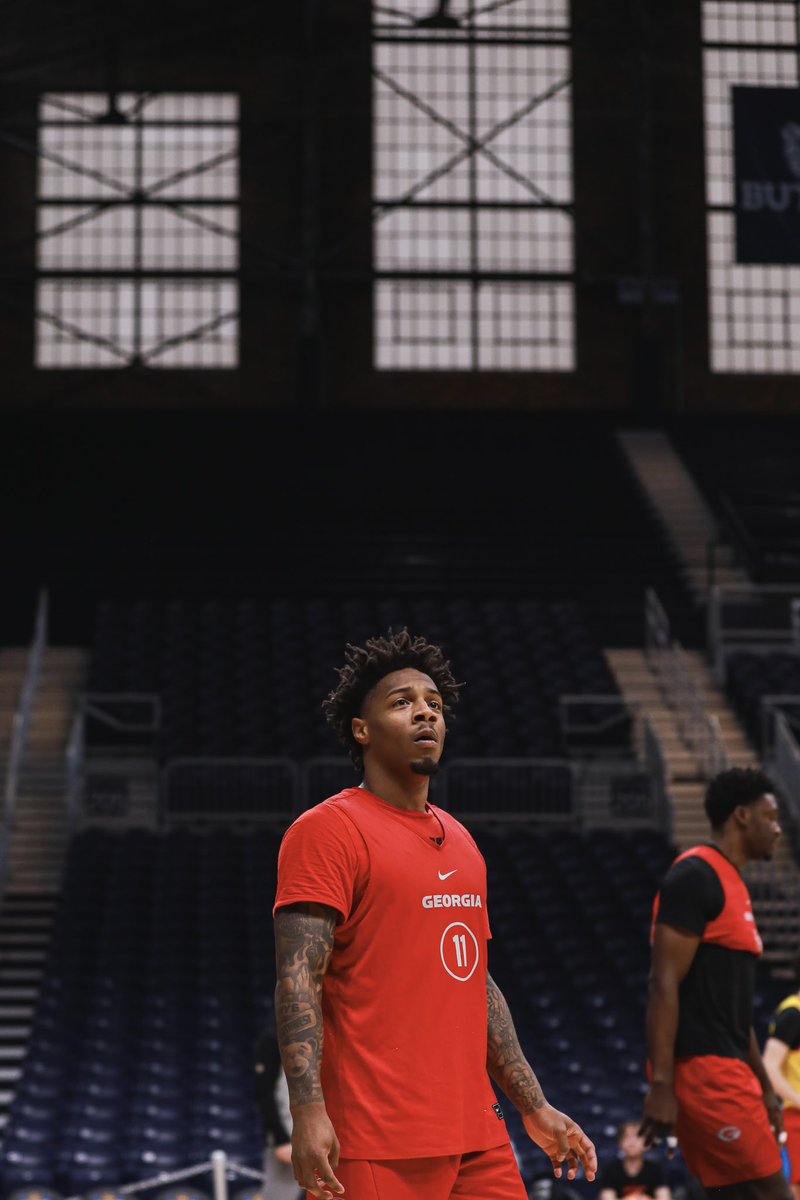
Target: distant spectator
point(631, 1174)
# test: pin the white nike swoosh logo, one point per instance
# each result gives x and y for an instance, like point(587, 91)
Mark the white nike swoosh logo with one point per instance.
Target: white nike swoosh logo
point(447, 874)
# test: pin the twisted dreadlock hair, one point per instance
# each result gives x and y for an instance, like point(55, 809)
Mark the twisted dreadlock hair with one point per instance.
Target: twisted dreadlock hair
point(365, 666)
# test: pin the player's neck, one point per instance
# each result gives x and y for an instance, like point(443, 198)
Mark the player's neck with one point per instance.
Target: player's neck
point(731, 847)
point(410, 794)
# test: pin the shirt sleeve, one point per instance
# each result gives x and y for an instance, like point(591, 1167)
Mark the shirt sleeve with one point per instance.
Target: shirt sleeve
point(691, 896)
point(322, 860)
point(787, 1027)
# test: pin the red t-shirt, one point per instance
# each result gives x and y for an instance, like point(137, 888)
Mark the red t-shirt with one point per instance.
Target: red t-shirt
point(404, 997)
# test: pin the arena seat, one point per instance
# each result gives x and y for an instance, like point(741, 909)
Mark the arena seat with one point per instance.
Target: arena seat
point(248, 678)
point(162, 967)
point(748, 471)
point(751, 675)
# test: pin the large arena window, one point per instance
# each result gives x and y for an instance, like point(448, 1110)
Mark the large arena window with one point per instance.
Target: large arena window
point(138, 231)
point(473, 186)
point(754, 310)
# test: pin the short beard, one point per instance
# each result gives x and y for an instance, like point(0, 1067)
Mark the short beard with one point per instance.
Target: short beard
point(425, 766)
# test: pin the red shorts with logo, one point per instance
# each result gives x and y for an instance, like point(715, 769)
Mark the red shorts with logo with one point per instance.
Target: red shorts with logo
point(723, 1129)
point(791, 1123)
point(484, 1175)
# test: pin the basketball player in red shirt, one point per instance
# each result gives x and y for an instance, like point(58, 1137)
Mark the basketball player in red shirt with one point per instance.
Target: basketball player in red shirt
point(381, 934)
point(708, 1083)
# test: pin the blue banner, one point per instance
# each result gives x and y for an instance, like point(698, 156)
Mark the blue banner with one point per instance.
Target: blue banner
point(766, 133)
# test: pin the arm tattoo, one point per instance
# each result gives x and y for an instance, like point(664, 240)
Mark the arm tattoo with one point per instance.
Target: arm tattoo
point(505, 1061)
point(303, 946)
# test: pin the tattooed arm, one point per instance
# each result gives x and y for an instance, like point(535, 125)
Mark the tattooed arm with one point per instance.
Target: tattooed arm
point(303, 944)
point(505, 1061)
point(557, 1134)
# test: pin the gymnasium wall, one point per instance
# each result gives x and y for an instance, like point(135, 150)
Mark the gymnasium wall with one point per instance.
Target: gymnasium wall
point(302, 71)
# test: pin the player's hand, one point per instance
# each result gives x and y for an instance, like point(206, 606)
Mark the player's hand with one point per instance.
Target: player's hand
point(562, 1140)
point(315, 1151)
point(775, 1114)
point(283, 1153)
point(659, 1115)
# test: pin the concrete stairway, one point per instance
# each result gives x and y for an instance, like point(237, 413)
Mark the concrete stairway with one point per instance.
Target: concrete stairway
point(25, 928)
point(13, 665)
point(681, 508)
point(775, 885)
point(17, 995)
point(40, 834)
point(687, 796)
point(37, 850)
point(685, 779)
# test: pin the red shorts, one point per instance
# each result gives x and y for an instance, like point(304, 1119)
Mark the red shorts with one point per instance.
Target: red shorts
point(484, 1175)
point(723, 1129)
point(791, 1123)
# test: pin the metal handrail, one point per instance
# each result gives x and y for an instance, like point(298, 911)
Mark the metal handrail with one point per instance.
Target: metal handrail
point(723, 638)
point(656, 763)
point(699, 729)
point(76, 752)
point(297, 777)
point(4, 838)
point(625, 707)
point(338, 763)
point(657, 636)
point(219, 1165)
point(232, 766)
point(93, 704)
point(718, 758)
point(22, 717)
point(770, 705)
point(446, 787)
point(539, 790)
point(785, 763)
point(688, 702)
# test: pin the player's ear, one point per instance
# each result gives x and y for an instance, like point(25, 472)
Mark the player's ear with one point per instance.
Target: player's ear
point(360, 731)
point(741, 815)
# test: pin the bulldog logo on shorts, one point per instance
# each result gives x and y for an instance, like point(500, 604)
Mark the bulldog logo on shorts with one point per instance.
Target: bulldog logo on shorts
point(729, 1134)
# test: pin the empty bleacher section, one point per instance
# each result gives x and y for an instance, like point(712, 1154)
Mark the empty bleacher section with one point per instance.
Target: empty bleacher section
point(226, 696)
point(753, 644)
point(249, 678)
point(154, 992)
point(749, 471)
point(161, 970)
point(385, 504)
point(677, 501)
point(760, 684)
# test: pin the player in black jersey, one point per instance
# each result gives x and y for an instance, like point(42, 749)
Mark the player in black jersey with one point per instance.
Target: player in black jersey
point(708, 1083)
